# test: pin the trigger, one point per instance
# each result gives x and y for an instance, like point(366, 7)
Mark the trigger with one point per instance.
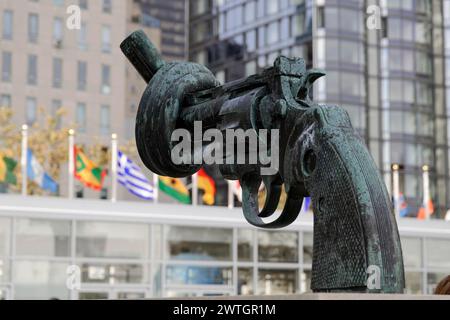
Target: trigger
point(273, 186)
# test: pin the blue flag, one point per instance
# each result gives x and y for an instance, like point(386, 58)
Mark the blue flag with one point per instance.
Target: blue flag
point(37, 174)
point(306, 204)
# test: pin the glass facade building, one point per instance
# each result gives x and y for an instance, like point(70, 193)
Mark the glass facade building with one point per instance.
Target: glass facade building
point(133, 250)
point(238, 38)
point(391, 79)
point(387, 64)
point(173, 24)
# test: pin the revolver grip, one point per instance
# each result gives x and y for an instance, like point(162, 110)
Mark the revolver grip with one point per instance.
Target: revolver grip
point(355, 229)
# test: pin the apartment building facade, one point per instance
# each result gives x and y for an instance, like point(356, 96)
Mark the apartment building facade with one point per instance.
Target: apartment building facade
point(47, 65)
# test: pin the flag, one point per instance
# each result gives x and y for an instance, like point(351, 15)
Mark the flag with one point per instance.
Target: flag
point(208, 185)
point(174, 188)
point(131, 177)
point(7, 166)
point(237, 190)
point(306, 204)
point(403, 206)
point(36, 173)
point(422, 215)
point(88, 172)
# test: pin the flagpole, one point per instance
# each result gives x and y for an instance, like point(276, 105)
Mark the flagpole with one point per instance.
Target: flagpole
point(24, 158)
point(114, 151)
point(195, 189)
point(426, 190)
point(71, 166)
point(155, 187)
point(230, 195)
point(396, 189)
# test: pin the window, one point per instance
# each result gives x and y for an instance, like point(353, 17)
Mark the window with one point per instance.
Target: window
point(38, 237)
point(194, 243)
point(57, 31)
point(6, 66)
point(199, 7)
point(262, 37)
point(307, 248)
point(271, 6)
point(104, 120)
point(31, 111)
point(40, 280)
point(277, 246)
point(250, 68)
point(245, 281)
point(198, 275)
point(285, 31)
point(250, 11)
point(81, 117)
point(436, 256)
point(277, 282)
point(32, 69)
point(56, 106)
point(412, 252)
point(423, 32)
point(7, 25)
point(112, 240)
point(83, 4)
point(33, 27)
point(5, 101)
point(245, 245)
point(234, 18)
point(402, 122)
point(81, 75)
point(113, 273)
point(107, 6)
point(320, 17)
point(250, 41)
point(106, 75)
point(82, 36)
point(298, 24)
point(272, 33)
point(5, 231)
point(57, 72)
point(106, 39)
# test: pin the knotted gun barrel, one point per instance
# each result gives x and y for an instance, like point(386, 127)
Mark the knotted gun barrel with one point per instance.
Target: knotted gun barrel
point(356, 240)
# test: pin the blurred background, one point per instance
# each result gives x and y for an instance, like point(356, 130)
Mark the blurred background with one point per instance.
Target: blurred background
point(75, 226)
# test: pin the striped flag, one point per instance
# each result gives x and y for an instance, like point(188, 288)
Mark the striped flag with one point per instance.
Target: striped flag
point(131, 177)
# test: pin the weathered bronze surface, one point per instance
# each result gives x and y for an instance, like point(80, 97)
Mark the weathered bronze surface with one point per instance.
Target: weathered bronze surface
point(355, 232)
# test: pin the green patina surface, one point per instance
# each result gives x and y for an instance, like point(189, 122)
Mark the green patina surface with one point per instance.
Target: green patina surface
point(356, 240)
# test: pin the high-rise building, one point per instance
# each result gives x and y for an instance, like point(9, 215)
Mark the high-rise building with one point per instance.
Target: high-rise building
point(387, 64)
point(172, 17)
point(46, 64)
point(390, 69)
point(237, 38)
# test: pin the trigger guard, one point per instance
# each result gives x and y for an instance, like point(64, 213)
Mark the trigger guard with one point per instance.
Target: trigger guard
point(250, 185)
point(273, 189)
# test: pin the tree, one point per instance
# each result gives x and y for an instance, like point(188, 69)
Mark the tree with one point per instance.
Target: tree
point(46, 138)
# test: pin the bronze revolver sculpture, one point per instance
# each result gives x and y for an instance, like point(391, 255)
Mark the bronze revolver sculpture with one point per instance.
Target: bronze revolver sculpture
point(321, 155)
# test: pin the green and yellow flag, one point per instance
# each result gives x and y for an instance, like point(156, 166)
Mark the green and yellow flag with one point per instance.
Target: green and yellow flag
point(174, 188)
point(88, 172)
point(7, 166)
